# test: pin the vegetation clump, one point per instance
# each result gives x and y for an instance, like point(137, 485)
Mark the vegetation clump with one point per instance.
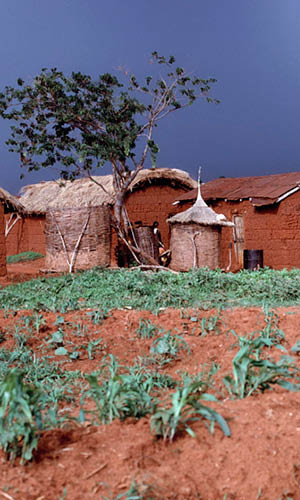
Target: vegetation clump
point(23, 257)
point(104, 290)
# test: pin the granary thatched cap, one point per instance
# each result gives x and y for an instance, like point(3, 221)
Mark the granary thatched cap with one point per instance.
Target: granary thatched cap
point(10, 202)
point(200, 213)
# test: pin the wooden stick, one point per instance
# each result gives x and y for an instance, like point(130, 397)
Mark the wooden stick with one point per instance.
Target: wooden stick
point(148, 266)
point(6, 495)
point(194, 249)
point(78, 243)
point(62, 240)
point(8, 227)
point(96, 471)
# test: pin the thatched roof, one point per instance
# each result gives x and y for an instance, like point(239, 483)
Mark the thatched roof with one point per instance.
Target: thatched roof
point(10, 202)
point(38, 198)
point(200, 213)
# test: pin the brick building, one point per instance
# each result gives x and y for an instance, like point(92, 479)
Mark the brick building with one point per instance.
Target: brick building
point(9, 207)
point(150, 198)
point(266, 214)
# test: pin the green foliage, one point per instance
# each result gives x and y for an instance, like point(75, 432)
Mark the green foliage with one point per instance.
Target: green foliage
point(271, 329)
point(135, 492)
point(119, 395)
point(93, 346)
point(55, 384)
point(296, 347)
point(114, 289)
point(20, 416)
point(23, 257)
point(186, 407)
point(208, 325)
point(97, 316)
point(79, 123)
point(168, 346)
point(251, 372)
point(147, 329)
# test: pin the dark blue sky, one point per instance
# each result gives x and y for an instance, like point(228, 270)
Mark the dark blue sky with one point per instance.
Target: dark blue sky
point(252, 47)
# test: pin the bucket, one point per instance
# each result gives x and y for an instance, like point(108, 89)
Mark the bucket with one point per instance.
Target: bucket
point(253, 259)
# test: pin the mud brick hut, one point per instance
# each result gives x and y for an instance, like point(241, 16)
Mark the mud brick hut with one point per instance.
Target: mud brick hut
point(265, 211)
point(196, 237)
point(150, 198)
point(10, 207)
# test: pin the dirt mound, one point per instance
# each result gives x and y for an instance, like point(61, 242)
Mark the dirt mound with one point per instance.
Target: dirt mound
point(261, 459)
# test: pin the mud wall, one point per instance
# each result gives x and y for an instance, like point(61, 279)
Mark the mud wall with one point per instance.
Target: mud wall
point(275, 229)
point(28, 234)
point(2, 242)
point(149, 204)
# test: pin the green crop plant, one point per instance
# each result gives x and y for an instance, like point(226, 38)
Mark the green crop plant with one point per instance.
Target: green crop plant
point(271, 329)
point(168, 346)
point(296, 347)
point(21, 407)
point(97, 316)
point(211, 324)
point(151, 379)
point(146, 329)
point(252, 372)
point(118, 395)
point(55, 383)
point(185, 408)
point(208, 325)
point(57, 338)
point(35, 321)
point(203, 379)
point(20, 340)
point(135, 492)
point(93, 347)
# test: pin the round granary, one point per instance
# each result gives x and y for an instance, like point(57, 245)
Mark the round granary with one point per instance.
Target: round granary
point(196, 236)
point(78, 238)
point(195, 245)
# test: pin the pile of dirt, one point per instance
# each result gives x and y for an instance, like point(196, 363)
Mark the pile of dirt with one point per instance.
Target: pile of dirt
point(261, 459)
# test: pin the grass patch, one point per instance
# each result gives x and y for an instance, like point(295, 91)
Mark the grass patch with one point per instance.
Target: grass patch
point(114, 289)
point(23, 257)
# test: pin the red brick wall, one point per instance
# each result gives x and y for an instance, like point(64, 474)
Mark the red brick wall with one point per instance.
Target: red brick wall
point(275, 229)
point(154, 203)
point(2, 243)
point(148, 204)
point(28, 234)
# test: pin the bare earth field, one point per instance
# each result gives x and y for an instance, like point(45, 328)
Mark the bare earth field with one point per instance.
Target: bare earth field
point(261, 459)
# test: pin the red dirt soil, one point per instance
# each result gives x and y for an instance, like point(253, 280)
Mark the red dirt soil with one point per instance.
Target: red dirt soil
point(261, 459)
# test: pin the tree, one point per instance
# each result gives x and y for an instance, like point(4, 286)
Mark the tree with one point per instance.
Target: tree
point(80, 124)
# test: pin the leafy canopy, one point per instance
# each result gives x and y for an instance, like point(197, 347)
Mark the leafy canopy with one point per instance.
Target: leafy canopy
point(78, 124)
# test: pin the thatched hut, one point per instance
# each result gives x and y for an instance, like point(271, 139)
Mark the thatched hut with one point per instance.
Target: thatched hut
point(8, 205)
point(195, 237)
point(78, 238)
point(150, 198)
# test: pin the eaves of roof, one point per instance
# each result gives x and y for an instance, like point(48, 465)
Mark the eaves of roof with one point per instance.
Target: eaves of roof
point(260, 191)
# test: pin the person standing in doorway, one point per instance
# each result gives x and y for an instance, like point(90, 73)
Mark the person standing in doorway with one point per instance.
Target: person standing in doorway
point(157, 235)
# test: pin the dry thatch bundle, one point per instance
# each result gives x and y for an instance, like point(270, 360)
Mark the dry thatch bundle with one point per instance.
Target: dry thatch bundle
point(195, 237)
point(38, 198)
point(78, 238)
point(10, 202)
